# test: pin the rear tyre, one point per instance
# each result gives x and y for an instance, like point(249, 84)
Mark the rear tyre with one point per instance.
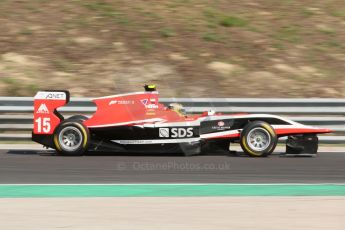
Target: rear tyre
point(258, 139)
point(71, 138)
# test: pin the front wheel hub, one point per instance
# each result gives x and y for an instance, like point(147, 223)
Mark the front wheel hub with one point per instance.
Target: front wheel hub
point(258, 139)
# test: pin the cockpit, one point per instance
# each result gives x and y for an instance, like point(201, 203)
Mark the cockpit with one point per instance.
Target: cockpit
point(178, 108)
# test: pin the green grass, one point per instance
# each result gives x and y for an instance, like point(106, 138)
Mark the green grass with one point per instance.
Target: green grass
point(307, 13)
point(62, 64)
point(148, 14)
point(233, 21)
point(105, 9)
point(16, 88)
point(26, 31)
point(167, 32)
point(81, 21)
point(334, 44)
point(32, 88)
point(327, 31)
point(279, 46)
point(215, 17)
point(178, 3)
point(98, 6)
point(146, 44)
point(122, 19)
point(13, 86)
point(8, 80)
point(211, 13)
point(289, 34)
point(338, 14)
point(212, 37)
point(237, 29)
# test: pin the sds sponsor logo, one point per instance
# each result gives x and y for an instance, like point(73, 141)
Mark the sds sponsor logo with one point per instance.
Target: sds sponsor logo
point(175, 132)
point(163, 132)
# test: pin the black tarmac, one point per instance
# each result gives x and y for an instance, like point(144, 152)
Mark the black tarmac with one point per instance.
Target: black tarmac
point(36, 167)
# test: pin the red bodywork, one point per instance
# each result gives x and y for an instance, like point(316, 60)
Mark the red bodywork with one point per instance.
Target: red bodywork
point(46, 119)
point(141, 108)
point(130, 109)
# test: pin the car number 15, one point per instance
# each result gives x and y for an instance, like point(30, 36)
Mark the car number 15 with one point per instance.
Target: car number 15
point(43, 125)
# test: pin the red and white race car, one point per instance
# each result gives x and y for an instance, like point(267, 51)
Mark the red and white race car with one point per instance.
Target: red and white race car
point(137, 122)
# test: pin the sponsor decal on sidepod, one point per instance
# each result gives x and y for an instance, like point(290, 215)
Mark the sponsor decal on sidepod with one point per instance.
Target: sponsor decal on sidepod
point(175, 132)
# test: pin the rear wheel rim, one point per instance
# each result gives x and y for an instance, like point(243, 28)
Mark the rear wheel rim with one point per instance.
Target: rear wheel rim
point(70, 138)
point(258, 139)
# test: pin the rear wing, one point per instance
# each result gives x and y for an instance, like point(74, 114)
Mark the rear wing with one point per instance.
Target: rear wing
point(46, 117)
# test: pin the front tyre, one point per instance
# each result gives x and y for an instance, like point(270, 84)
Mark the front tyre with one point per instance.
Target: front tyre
point(71, 138)
point(258, 139)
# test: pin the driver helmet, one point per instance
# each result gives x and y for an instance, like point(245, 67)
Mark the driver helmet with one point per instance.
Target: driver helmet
point(177, 108)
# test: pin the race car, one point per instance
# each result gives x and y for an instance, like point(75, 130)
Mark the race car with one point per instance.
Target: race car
point(137, 122)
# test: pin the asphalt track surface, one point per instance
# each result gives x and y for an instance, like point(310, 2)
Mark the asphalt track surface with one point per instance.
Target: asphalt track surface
point(31, 167)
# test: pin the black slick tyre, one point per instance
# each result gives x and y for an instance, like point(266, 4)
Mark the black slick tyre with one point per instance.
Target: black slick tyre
point(258, 139)
point(71, 138)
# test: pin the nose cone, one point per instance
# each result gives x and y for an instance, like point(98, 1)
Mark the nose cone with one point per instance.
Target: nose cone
point(322, 130)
